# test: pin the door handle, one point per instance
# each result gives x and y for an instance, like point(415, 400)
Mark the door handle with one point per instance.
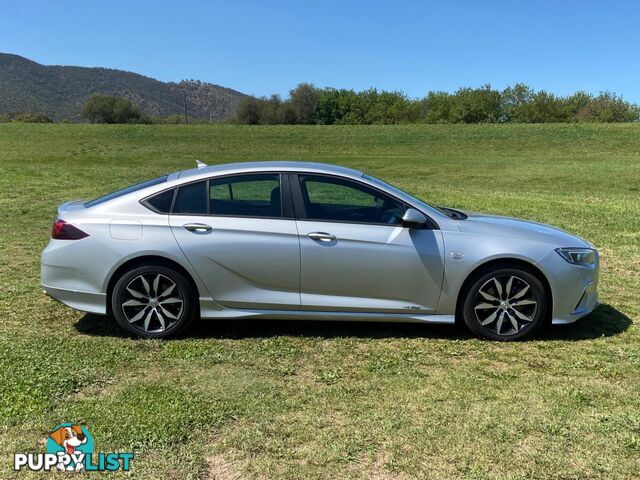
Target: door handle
point(197, 227)
point(321, 236)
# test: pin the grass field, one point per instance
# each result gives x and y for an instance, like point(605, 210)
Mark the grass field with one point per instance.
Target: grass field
point(261, 399)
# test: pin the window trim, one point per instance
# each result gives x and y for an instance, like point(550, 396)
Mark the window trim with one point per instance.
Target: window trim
point(291, 198)
point(286, 202)
point(301, 210)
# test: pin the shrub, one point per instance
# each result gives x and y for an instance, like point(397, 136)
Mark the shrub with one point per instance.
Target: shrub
point(271, 110)
point(264, 111)
point(169, 119)
point(575, 103)
point(514, 103)
point(26, 117)
point(475, 105)
point(546, 107)
point(437, 107)
point(519, 103)
point(107, 109)
point(335, 106)
point(248, 112)
point(387, 108)
point(608, 107)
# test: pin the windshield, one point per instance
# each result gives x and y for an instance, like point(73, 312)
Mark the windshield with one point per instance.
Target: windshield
point(124, 191)
point(402, 193)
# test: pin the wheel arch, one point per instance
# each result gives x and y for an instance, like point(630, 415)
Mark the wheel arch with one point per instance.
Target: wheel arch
point(148, 260)
point(498, 262)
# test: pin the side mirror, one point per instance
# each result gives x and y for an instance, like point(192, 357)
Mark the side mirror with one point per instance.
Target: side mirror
point(412, 218)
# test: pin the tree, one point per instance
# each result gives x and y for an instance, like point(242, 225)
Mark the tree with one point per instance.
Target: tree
point(303, 101)
point(514, 102)
point(519, 103)
point(335, 107)
point(327, 111)
point(545, 107)
point(270, 110)
point(608, 107)
point(575, 103)
point(386, 108)
point(248, 112)
point(107, 109)
point(437, 107)
point(476, 105)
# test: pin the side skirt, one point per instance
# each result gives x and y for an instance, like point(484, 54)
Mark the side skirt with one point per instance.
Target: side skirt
point(212, 310)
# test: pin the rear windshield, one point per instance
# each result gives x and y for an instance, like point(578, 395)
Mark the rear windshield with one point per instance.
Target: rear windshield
point(124, 191)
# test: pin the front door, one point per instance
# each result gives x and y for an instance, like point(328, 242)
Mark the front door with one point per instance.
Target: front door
point(233, 232)
point(355, 254)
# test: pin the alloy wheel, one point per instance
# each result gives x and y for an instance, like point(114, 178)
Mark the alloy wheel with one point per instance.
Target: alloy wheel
point(505, 305)
point(152, 303)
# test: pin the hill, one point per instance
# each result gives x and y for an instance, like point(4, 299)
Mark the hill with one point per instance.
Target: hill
point(60, 91)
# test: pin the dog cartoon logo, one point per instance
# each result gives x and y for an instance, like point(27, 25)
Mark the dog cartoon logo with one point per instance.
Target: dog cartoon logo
point(69, 438)
point(70, 442)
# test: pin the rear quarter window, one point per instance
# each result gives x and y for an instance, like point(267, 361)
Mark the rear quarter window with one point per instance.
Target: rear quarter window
point(161, 202)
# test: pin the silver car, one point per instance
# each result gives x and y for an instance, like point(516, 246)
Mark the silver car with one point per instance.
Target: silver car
point(297, 240)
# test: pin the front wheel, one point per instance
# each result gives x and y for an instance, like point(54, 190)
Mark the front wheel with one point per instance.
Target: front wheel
point(153, 302)
point(505, 303)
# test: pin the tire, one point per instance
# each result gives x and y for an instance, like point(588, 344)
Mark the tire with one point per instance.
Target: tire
point(153, 301)
point(491, 311)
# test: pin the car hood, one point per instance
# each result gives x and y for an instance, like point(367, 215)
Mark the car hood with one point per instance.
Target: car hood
point(513, 227)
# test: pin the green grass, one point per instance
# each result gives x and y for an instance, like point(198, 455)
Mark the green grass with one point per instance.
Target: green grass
point(327, 400)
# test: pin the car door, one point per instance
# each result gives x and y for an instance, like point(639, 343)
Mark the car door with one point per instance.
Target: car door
point(240, 237)
point(356, 256)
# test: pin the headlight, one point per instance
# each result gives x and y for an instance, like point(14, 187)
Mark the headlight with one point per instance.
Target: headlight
point(585, 257)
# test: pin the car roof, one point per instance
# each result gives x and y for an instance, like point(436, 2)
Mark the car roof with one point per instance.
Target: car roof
point(280, 166)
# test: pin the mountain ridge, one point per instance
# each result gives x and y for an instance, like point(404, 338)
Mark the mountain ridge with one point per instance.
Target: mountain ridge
point(59, 91)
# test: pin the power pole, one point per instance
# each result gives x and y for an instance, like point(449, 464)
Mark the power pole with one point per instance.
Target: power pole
point(186, 120)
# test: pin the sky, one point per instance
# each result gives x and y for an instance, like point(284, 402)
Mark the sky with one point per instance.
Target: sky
point(268, 47)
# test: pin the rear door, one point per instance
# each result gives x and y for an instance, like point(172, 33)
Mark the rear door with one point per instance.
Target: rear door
point(239, 234)
point(355, 254)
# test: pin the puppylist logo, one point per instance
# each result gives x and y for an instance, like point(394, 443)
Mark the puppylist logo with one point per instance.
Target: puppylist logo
point(70, 447)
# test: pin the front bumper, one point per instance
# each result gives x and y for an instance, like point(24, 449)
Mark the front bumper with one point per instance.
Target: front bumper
point(574, 288)
point(587, 303)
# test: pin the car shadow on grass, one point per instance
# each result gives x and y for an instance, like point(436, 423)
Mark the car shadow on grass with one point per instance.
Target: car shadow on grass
point(605, 321)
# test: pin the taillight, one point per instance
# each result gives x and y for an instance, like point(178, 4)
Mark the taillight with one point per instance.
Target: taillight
point(65, 231)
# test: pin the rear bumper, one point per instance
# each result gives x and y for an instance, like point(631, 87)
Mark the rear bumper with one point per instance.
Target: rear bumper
point(72, 272)
point(90, 302)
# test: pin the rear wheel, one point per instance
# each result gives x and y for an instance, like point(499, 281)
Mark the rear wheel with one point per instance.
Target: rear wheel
point(153, 301)
point(505, 303)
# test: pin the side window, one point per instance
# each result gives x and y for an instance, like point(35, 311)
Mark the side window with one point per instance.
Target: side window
point(191, 199)
point(336, 199)
point(246, 196)
point(161, 202)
